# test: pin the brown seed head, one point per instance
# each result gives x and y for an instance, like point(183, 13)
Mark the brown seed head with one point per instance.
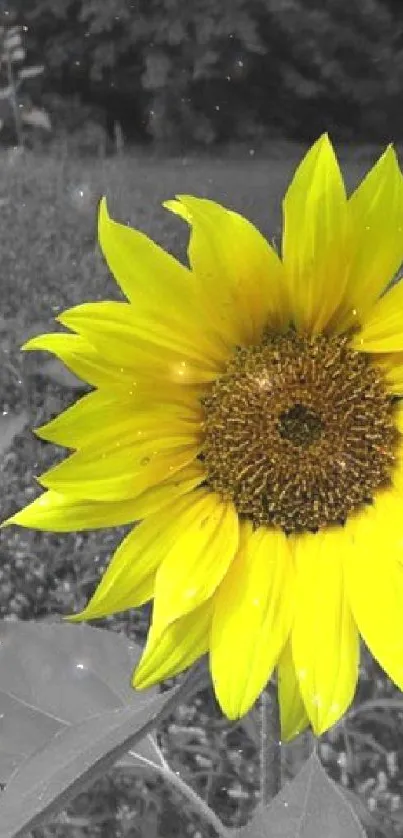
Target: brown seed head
point(299, 431)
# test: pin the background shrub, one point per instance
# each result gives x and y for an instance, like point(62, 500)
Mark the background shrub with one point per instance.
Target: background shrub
point(206, 72)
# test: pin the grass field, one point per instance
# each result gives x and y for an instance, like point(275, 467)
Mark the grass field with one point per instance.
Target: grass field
point(50, 261)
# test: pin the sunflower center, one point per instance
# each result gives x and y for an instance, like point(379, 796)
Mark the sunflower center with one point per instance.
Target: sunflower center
point(299, 431)
point(300, 425)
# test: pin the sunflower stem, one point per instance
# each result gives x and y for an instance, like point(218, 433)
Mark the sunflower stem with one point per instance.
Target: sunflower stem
point(197, 803)
point(270, 746)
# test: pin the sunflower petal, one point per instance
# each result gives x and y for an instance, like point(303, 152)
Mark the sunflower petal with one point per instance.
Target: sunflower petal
point(129, 327)
point(197, 561)
point(182, 643)
point(119, 472)
point(54, 511)
point(315, 238)
point(252, 615)
point(142, 268)
point(391, 365)
point(293, 715)
point(325, 643)
point(382, 330)
point(82, 359)
point(374, 580)
point(241, 275)
point(376, 218)
point(99, 418)
point(114, 331)
point(129, 580)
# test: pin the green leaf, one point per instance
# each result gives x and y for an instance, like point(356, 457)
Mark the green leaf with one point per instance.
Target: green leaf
point(68, 713)
point(310, 806)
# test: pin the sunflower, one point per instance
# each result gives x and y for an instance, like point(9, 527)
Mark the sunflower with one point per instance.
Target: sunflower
point(246, 416)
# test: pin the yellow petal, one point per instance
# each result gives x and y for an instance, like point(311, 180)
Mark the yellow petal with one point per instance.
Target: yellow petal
point(376, 218)
point(115, 472)
point(61, 513)
point(251, 619)
point(325, 644)
point(167, 297)
point(392, 366)
point(100, 418)
point(130, 327)
point(142, 268)
point(182, 643)
point(315, 236)
point(293, 716)
point(112, 329)
point(196, 563)
point(129, 579)
point(374, 579)
point(82, 359)
point(382, 330)
point(397, 471)
point(241, 275)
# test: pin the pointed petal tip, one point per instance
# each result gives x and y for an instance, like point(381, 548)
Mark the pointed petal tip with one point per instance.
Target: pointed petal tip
point(74, 618)
point(103, 216)
point(176, 206)
point(141, 680)
point(30, 344)
point(103, 207)
point(389, 156)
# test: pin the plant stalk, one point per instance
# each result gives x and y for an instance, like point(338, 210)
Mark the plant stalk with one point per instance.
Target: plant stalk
point(270, 746)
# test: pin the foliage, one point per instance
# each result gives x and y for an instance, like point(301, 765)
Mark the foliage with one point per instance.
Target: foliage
point(205, 72)
point(16, 108)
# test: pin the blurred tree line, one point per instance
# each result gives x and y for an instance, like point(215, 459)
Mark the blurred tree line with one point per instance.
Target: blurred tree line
point(204, 71)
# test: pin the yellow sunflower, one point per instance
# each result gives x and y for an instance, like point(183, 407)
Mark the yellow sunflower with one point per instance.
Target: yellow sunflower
point(246, 413)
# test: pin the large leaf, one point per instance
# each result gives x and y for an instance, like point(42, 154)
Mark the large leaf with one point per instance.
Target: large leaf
point(68, 713)
point(310, 806)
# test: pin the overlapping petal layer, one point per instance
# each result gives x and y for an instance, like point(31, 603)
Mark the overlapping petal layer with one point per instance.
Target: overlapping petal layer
point(293, 715)
point(55, 511)
point(324, 639)
point(374, 582)
point(197, 561)
point(315, 246)
point(180, 644)
point(241, 274)
point(130, 578)
point(376, 222)
point(252, 614)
